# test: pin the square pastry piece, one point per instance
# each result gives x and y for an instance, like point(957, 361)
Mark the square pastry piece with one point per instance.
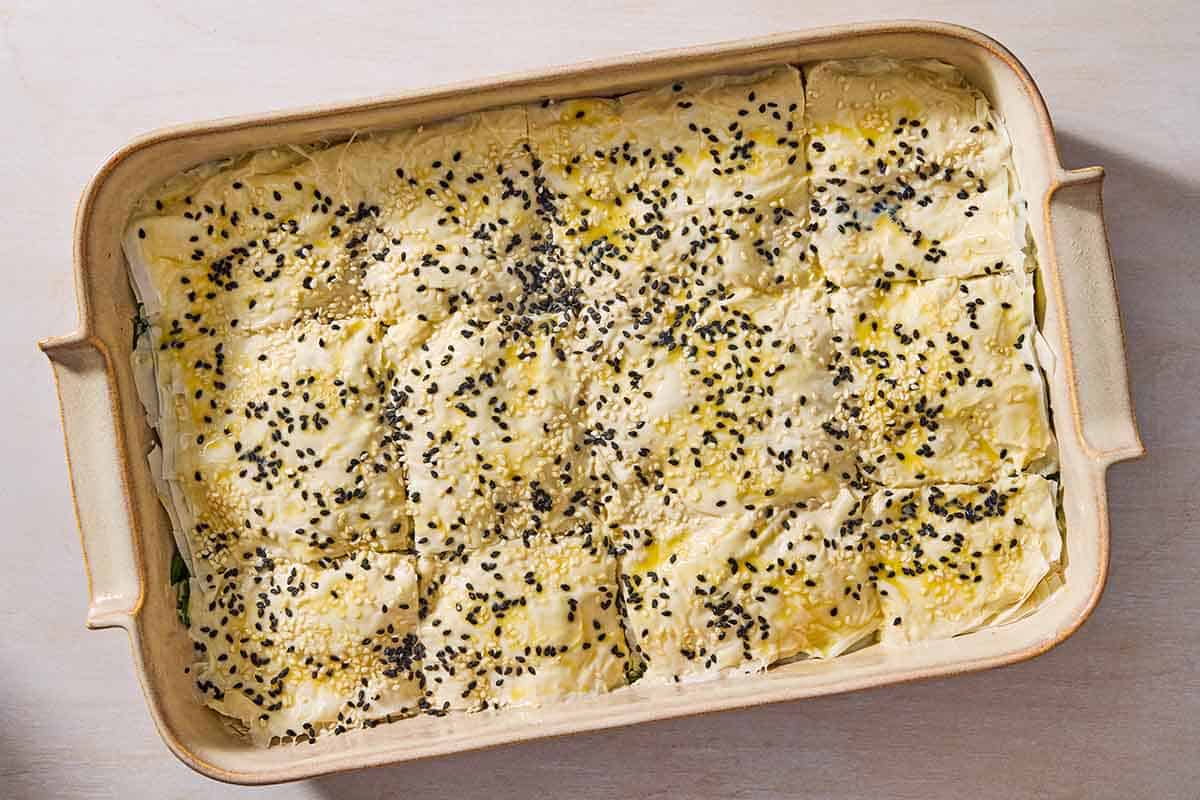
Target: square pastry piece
point(451, 217)
point(275, 443)
point(911, 174)
point(244, 245)
point(953, 558)
point(705, 595)
point(292, 650)
point(493, 447)
point(943, 378)
point(724, 398)
point(700, 181)
point(521, 622)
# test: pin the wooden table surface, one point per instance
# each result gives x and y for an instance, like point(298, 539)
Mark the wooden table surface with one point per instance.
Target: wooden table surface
point(1114, 712)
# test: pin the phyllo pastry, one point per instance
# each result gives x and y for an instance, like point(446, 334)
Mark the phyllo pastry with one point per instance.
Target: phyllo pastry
point(493, 447)
point(943, 380)
point(700, 179)
point(521, 622)
point(452, 217)
point(535, 402)
point(292, 650)
point(707, 594)
point(276, 442)
point(953, 558)
point(244, 245)
point(911, 174)
point(724, 398)
point(409, 225)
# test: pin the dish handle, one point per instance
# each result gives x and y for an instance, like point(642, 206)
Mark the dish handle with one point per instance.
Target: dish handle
point(97, 483)
point(1095, 337)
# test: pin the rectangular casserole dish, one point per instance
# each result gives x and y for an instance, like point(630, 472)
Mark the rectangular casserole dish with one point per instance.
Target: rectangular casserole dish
point(125, 532)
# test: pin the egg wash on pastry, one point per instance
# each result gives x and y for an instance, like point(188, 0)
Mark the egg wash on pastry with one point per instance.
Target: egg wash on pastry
point(538, 402)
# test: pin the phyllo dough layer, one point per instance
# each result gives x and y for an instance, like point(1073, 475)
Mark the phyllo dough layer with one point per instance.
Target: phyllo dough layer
point(538, 401)
point(293, 649)
point(723, 397)
point(953, 558)
point(943, 380)
point(242, 246)
point(521, 622)
point(699, 180)
point(410, 226)
point(493, 445)
point(736, 593)
point(455, 223)
point(275, 442)
point(911, 175)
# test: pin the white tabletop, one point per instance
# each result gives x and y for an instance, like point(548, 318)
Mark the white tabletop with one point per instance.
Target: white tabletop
point(1113, 712)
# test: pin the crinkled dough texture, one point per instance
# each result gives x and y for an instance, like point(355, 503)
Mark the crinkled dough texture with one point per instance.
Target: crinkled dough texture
point(706, 593)
point(911, 174)
point(523, 622)
point(535, 401)
point(289, 649)
point(272, 442)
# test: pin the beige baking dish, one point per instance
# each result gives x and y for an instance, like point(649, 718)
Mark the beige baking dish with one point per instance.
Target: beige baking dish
point(125, 532)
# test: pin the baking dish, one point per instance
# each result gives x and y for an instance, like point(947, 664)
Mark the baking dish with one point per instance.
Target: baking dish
point(125, 532)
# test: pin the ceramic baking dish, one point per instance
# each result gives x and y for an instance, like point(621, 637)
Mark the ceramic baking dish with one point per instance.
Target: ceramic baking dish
point(125, 532)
